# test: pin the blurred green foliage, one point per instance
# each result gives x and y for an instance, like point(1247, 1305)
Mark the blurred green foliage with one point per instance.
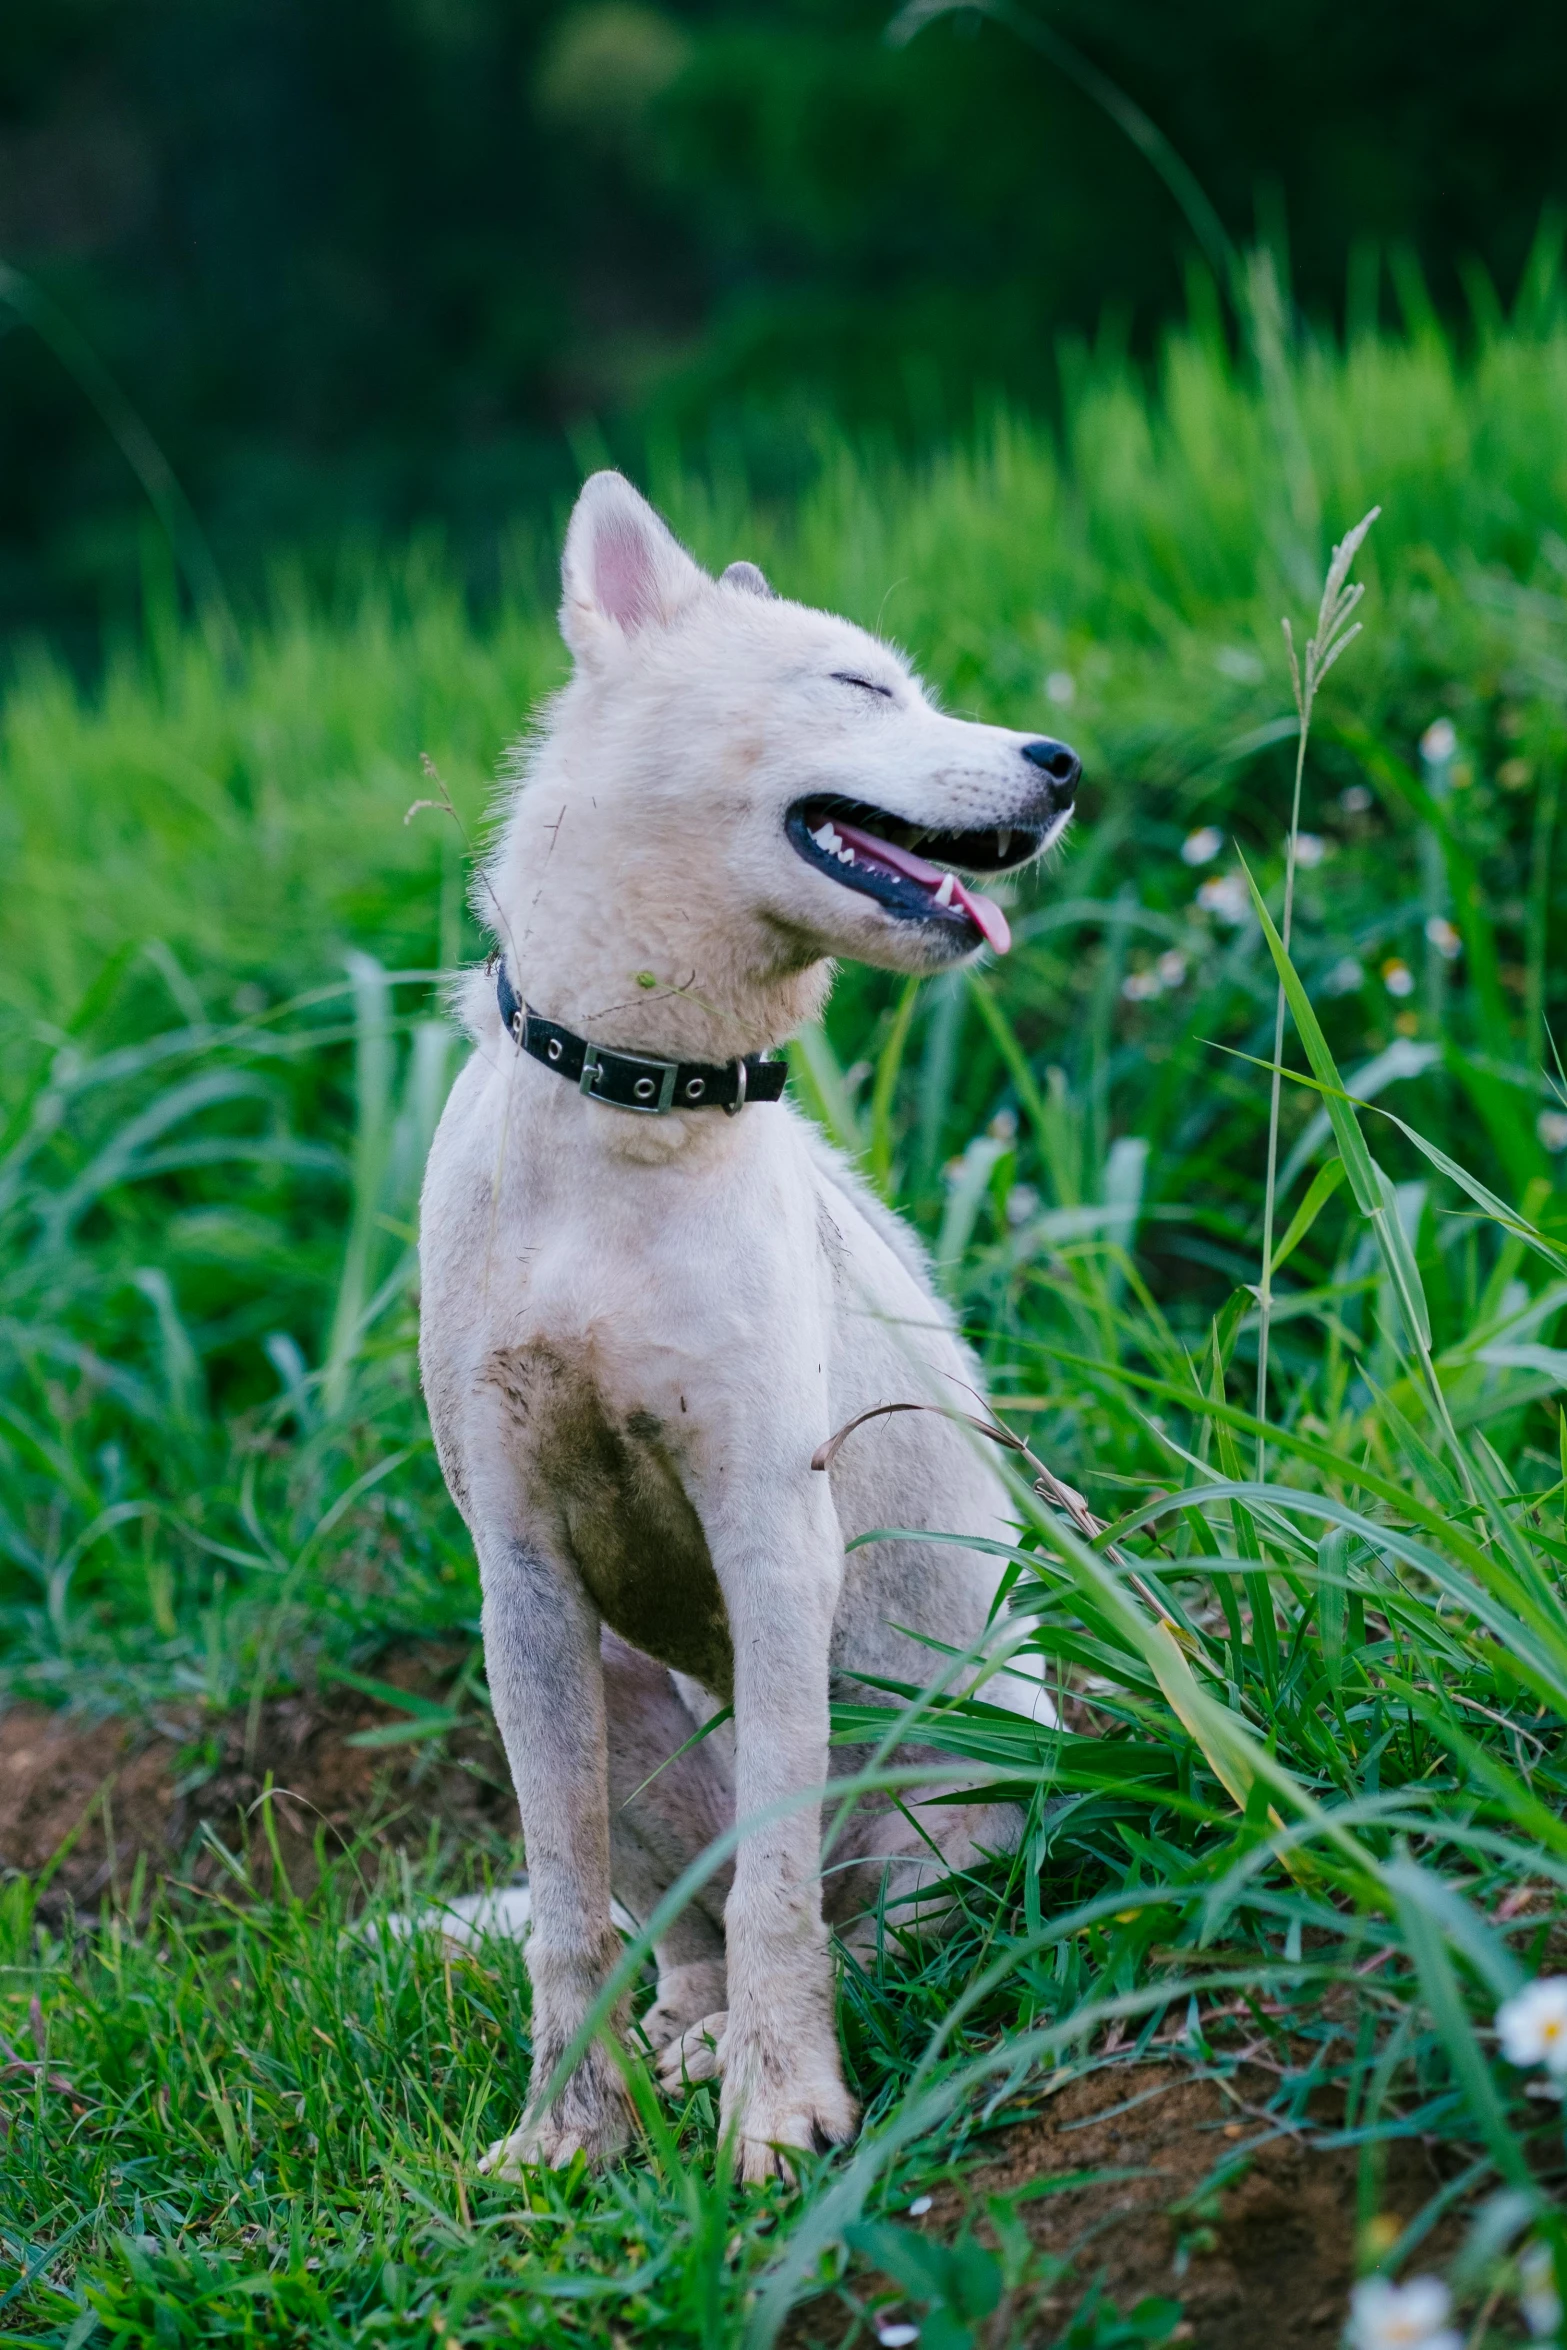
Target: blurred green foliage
point(366, 266)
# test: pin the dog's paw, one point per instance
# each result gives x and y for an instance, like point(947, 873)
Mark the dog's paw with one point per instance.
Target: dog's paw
point(807, 2116)
point(687, 1996)
point(510, 2158)
point(553, 2141)
point(696, 2055)
point(591, 2116)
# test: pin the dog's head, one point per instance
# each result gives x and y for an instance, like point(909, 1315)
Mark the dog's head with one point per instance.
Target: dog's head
point(787, 757)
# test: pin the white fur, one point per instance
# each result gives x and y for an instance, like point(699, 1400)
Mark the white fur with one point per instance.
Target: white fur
point(637, 1331)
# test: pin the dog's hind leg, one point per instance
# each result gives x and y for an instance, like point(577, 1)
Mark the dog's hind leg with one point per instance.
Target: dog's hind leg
point(541, 1648)
point(897, 1871)
point(662, 1814)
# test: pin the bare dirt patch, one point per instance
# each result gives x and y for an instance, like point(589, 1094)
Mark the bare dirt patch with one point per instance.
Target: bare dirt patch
point(107, 1794)
point(1252, 2230)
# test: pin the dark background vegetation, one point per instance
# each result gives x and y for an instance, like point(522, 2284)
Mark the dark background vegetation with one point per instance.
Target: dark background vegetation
point(367, 264)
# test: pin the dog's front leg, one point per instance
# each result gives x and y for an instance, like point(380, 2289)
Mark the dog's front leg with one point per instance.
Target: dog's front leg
point(780, 1562)
point(541, 1648)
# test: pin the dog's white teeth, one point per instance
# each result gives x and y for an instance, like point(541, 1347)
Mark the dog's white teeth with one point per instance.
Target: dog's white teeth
point(944, 894)
point(827, 841)
point(845, 856)
point(1003, 843)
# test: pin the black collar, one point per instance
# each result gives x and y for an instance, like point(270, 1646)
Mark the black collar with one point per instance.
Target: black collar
point(632, 1081)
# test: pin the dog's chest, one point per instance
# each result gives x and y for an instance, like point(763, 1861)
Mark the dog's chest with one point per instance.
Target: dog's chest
point(610, 1480)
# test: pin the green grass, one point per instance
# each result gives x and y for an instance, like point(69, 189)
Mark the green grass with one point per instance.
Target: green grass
point(1327, 1707)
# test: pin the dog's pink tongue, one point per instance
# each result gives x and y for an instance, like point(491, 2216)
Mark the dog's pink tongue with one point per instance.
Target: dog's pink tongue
point(983, 912)
point(985, 915)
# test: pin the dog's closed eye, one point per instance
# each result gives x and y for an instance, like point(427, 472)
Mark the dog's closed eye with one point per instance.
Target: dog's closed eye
point(866, 685)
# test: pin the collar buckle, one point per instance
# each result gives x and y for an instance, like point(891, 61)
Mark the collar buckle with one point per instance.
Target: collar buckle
point(653, 1090)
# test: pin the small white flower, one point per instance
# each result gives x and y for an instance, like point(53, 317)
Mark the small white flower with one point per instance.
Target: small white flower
point(1140, 987)
point(1384, 2316)
point(1202, 846)
point(1310, 848)
point(1022, 1203)
point(1346, 975)
point(1439, 742)
point(1224, 894)
point(1537, 2295)
point(1171, 968)
point(1532, 2025)
point(1444, 937)
point(920, 2205)
point(1061, 686)
point(1397, 977)
point(1551, 1127)
point(896, 2333)
point(1356, 799)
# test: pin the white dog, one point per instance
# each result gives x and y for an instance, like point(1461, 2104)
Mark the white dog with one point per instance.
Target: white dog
point(637, 1329)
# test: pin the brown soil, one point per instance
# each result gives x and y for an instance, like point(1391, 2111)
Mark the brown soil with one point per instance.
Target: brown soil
point(114, 1792)
point(1265, 2258)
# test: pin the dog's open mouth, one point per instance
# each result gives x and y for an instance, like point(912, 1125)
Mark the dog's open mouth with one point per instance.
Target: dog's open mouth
point(866, 849)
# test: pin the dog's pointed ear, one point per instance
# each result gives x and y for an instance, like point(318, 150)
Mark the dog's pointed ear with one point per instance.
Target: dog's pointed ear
point(746, 577)
point(623, 570)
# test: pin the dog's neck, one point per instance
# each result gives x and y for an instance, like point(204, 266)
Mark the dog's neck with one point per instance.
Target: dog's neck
point(612, 945)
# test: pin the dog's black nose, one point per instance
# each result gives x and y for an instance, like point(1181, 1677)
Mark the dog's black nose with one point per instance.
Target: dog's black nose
point(1060, 763)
